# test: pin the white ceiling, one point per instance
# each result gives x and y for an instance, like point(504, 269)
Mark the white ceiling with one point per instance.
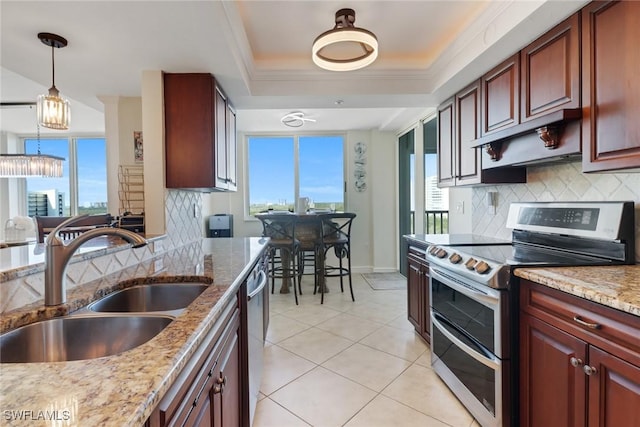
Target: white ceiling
point(260, 52)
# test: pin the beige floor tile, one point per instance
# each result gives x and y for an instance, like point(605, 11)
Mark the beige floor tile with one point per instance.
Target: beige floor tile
point(475, 424)
point(421, 389)
point(385, 412)
point(315, 345)
point(311, 314)
point(270, 414)
point(281, 367)
point(374, 312)
point(367, 366)
point(405, 344)
point(351, 327)
point(424, 359)
point(281, 328)
point(322, 398)
point(401, 322)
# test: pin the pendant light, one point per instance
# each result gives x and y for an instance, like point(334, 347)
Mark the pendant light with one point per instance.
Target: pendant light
point(53, 110)
point(345, 47)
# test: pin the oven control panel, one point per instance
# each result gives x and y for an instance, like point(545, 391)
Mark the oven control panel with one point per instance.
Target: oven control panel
point(463, 261)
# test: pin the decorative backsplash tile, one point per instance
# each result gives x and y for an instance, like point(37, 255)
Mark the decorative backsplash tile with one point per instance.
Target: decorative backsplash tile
point(183, 228)
point(561, 182)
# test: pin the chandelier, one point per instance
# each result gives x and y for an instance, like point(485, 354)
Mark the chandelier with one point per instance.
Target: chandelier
point(53, 110)
point(30, 165)
point(345, 47)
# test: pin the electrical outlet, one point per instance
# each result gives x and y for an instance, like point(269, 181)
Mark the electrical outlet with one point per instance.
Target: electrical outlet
point(460, 207)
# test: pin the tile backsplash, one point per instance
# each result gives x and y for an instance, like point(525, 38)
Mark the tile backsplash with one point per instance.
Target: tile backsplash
point(561, 182)
point(183, 225)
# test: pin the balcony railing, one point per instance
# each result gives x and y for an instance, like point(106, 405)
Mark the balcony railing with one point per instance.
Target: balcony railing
point(436, 222)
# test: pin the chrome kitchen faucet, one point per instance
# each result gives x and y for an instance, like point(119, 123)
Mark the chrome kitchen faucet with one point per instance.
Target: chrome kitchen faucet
point(58, 253)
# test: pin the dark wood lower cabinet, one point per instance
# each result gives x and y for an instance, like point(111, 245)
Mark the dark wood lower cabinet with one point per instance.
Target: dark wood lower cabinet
point(208, 391)
point(418, 292)
point(579, 362)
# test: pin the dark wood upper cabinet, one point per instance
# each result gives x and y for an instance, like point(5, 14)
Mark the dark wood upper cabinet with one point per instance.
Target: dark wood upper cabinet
point(610, 85)
point(197, 136)
point(467, 123)
point(445, 147)
point(459, 162)
point(550, 68)
point(501, 96)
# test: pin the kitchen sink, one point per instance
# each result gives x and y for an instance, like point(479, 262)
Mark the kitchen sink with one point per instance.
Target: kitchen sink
point(79, 337)
point(150, 298)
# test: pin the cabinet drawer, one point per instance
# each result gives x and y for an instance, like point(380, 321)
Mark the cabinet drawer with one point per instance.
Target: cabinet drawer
point(610, 329)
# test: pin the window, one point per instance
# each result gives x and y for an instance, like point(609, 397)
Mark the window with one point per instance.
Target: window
point(283, 168)
point(83, 187)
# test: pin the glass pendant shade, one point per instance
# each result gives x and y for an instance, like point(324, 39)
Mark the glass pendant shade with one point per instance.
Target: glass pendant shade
point(53, 111)
point(30, 165)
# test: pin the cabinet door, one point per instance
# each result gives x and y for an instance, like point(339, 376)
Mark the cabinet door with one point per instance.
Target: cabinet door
point(501, 96)
point(232, 175)
point(550, 69)
point(614, 391)
point(467, 124)
point(445, 148)
point(552, 391)
point(229, 373)
point(189, 150)
point(414, 279)
point(221, 139)
point(611, 86)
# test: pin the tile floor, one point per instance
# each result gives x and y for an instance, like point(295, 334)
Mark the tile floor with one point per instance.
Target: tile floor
point(350, 364)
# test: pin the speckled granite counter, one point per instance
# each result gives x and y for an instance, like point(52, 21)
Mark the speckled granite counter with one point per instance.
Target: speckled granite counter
point(616, 286)
point(124, 389)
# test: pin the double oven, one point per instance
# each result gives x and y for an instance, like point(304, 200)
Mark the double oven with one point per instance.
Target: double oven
point(474, 294)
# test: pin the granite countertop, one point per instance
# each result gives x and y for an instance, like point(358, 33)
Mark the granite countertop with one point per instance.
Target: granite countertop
point(124, 389)
point(454, 239)
point(614, 286)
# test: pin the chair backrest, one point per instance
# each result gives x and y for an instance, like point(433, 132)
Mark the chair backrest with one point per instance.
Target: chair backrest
point(337, 226)
point(278, 227)
point(46, 224)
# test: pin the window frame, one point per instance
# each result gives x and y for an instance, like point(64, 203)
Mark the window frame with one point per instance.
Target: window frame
point(72, 141)
point(296, 156)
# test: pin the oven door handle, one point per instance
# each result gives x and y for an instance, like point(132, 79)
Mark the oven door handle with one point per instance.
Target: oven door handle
point(487, 298)
point(491, 361)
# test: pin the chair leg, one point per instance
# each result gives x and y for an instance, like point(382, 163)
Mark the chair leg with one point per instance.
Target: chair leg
point(350, 285)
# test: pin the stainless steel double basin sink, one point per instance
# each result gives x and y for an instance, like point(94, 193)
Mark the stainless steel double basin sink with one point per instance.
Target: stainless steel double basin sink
point(116, 323)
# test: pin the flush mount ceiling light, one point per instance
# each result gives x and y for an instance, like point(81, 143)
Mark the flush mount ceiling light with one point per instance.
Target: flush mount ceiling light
point(53, 110)
point(295, 119)
point(345, 47)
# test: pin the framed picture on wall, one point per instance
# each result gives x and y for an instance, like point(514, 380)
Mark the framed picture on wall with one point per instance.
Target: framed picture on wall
point(138, 151)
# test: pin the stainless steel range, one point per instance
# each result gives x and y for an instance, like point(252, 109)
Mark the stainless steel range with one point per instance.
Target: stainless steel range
point(473, 294)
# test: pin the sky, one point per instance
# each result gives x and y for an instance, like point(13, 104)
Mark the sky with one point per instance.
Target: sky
point(272, 174)
point(92, 168)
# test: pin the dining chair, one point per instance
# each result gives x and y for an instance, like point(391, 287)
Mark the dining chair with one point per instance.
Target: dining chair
point(336, 237)
point(283, 248)
point(46, 224)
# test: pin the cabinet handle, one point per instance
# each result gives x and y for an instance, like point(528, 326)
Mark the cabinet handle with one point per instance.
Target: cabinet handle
point(579, 321)
point(221, 380)
point(589, 370)
point(575, 362)
point(217, 389)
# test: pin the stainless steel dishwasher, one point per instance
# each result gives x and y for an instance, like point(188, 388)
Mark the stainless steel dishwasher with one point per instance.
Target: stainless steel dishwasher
point(256, 283)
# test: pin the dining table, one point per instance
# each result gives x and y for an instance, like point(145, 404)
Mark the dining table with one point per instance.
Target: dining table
point(308, 231)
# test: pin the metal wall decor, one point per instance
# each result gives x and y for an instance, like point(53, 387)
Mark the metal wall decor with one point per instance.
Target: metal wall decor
point(360, 167)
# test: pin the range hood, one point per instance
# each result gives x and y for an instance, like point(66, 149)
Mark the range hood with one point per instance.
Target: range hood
point(550, 138)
